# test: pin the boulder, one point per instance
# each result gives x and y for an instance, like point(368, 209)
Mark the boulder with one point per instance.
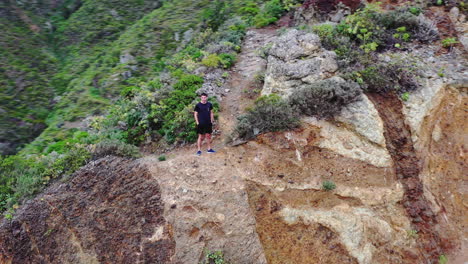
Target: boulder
point(297, 59)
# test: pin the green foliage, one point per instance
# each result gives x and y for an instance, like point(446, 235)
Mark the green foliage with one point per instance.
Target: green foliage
point(5, 197)
point(216, 257)
point(412, 234)
point(8, 216)
point(397, 75)
point(441, 72)
point(227, 59)
point(114, 147)
point(212, 60)
point(325, 98)
point(22, 177)
point(269, 113)
point(362, 28)
point(449, 42)
point(372, 29)
point(328, 185)
point(415, 10)
point(130, 91)
point(162, 158)
point(405, 96)
point(25, 73)
point(270, 12)
point(443, 259)
point(132, 101)
point(259, 77)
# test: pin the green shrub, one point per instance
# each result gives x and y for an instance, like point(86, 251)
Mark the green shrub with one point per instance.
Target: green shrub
point(215, 14)
point(212, 60)
point(328, 185)
point(443, 259)
point(419, 27)
point(162, 158)
point(116, 148)
point(269, 113)
point(270, 13)
point(387, 77)
point(28, 175)
point(227, 59)
point(216, 257)
point(362, 27)
point(325, 98)
point(5, 198)
point(129, 91)
point(405, 96)
point(449, 42)
point(415, 10)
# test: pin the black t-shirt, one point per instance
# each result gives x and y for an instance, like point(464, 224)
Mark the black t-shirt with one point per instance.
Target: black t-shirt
point(203, 110)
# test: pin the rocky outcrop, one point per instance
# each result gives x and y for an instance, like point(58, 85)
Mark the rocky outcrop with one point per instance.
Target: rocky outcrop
point(296, 59)
point(110, 212)
point(206, 204)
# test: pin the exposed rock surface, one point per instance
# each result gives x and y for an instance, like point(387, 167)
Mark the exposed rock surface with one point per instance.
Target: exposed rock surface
point(242, 82)
point(206, 204)
point(110, 212)
point(364, 119)
point(296, 59)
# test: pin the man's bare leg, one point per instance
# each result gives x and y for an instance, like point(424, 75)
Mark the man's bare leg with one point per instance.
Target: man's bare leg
point(208, 140)
point(200, 140)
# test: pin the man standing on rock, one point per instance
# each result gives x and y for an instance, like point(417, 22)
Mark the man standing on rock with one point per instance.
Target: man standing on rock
point(204, 118)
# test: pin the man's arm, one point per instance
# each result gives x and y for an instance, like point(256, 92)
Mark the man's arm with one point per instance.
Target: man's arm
point(195, 114)
point(212, 116)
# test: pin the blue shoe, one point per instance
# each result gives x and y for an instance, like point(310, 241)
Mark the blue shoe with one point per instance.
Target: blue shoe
point(211, 151)
point(199, 153)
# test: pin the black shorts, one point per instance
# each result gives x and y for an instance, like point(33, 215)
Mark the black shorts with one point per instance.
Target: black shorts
point(204, 128)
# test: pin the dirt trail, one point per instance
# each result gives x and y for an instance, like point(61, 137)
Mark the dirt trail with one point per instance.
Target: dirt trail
point(242, 76)
point(408, 168)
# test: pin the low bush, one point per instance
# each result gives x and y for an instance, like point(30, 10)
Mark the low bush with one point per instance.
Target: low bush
point(324, 98)
point(22, 177)
point(212, 60)
point(271, 11)
point(227, 59)
point(449, 42)
point(418, 26)
point(427, 30)
point(328, 185)
point(216, 257)
point(269, 113)
point(388, 77)
point(114, 147)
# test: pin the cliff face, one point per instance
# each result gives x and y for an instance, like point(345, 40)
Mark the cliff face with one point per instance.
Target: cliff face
point(110, 212)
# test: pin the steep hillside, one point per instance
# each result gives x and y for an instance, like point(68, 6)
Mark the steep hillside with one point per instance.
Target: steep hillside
point(40, 46)
point(128, 80)
point(26, 67)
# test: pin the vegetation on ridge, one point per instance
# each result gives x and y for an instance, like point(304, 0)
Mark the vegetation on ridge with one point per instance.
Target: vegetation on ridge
point(359, 41)
point(123, 74)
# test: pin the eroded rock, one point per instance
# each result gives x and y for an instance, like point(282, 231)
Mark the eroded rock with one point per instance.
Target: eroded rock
point(110, 212)
point(296, 59)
